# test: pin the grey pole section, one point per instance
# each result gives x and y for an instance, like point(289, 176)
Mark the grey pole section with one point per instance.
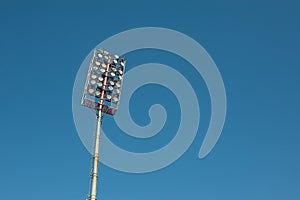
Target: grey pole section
point(96, 158)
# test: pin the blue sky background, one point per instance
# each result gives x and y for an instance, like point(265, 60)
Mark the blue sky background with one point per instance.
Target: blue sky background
point(255, 45)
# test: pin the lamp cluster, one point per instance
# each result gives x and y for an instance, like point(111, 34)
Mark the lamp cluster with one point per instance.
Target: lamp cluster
point(104, 80)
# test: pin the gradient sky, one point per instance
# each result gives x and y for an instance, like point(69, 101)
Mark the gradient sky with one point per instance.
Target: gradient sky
point(255, 45)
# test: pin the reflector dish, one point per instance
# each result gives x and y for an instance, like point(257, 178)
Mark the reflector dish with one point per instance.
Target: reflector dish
point(97, 93)
point(118, 84)
point(110, 88)
point(115, 99)
point(93, 82)
point(91, 91)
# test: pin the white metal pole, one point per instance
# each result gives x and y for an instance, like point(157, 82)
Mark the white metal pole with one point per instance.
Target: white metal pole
point(96, 158)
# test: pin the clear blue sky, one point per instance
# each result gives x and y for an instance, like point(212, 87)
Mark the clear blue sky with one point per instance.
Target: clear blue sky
point(256, 46)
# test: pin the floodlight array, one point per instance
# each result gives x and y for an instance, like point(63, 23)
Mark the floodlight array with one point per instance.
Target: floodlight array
point(104, 81)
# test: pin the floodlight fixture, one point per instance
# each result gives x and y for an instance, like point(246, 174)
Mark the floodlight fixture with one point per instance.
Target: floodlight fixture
point(102, 94)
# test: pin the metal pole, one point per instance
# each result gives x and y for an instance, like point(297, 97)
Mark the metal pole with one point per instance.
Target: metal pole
point(94, 175)
point(96, 159)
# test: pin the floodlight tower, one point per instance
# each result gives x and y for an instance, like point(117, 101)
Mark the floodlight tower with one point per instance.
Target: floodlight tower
point(102, 94)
